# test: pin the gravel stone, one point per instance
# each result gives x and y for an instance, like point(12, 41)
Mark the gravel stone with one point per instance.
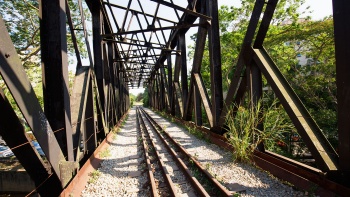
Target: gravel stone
point(114, 180)
point(219, 163)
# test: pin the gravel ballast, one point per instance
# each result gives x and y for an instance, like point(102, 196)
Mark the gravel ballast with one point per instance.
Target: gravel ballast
point(114, 179)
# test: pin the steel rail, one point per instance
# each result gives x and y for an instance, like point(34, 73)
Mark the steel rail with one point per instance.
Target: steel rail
point(166, 175)
point(147, 158)
point(218, 185)
point(195, 183)
point(300, 175)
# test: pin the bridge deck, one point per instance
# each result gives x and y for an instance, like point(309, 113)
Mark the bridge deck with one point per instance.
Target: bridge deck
point(119, 169)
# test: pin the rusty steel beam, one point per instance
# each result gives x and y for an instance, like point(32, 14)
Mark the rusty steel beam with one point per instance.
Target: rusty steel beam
point(134, 44)
point(265, 23)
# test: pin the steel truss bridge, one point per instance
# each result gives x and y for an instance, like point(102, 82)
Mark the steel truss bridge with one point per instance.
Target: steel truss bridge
point(135, 48)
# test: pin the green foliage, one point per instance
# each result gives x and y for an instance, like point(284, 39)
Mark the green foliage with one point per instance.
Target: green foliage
point(21, 18)
point(233, 22)
point(94, 176)
point(145, 98)
point(139, 97)
point(315, 82)
point(132, 99)
point(288, 36)
point(22, 21)
point(244, 133)
point(105, 153)
point(199, 134)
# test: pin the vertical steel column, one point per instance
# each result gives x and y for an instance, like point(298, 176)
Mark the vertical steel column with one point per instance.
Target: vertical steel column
point(341, 15)
point(111, 57)
point(197, 107)
point(156, 98)
point(127, 98)
point(184, 83)
point(161, 91)
point(215, 63)
point(54, 64)
point(194, 98)
point(159, 87)
point(178, 102)
point(118, 84)
point(97, 18)
point(170, 85)
point(91, 140)
point(106, 80)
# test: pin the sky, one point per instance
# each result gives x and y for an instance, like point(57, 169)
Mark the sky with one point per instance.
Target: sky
point(319, 8)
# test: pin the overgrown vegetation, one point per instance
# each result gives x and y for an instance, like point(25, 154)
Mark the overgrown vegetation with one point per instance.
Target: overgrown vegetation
point(251, 125)
point(199, 134)
point(105, 153)
point(132, 100)
point(145, 98)
point(94, 176)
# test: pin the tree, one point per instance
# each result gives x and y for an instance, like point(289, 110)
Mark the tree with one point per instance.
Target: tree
point(21, 18)
point(315, 84)
point(22, 21)
point(139, 97)
point(145, 98)
point(132, 99)
point(233, 22)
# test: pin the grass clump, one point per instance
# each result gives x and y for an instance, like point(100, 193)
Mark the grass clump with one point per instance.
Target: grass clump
point(199, 134)
point(105, 153)
point(252, 125)
point(94, 176)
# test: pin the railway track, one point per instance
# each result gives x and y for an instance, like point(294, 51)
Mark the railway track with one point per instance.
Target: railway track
point(172, 171)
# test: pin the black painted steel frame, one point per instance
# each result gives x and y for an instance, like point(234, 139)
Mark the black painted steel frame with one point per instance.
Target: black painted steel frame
point(123, 57)
point(71, 126)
